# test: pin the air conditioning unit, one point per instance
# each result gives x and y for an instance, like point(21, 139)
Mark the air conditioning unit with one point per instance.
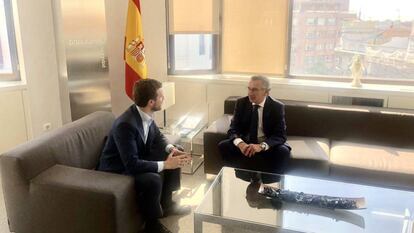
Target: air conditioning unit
point(360, 101)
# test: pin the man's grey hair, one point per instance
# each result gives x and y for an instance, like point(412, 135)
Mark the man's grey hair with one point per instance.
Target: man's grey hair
point(265, 81)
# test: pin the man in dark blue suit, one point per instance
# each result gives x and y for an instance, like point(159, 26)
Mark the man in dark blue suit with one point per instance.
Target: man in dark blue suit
point(257, 134)
point(137, 148)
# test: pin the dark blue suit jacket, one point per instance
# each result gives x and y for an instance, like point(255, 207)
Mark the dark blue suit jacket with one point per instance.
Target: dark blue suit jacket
point(274, 126)
point(125, 151)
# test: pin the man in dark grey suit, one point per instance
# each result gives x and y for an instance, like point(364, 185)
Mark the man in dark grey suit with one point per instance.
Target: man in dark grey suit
point(257, 134)
point(137, 148)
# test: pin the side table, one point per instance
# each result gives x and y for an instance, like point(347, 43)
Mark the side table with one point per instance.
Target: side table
point(187, 138)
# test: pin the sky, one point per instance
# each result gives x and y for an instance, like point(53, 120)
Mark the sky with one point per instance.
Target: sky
point(384, 9)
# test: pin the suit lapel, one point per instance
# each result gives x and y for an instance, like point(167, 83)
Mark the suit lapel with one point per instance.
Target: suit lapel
point(249, 108)
point(266, 113)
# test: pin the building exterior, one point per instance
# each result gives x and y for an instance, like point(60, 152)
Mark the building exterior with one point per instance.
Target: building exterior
point(316, 27)
point(326, 36)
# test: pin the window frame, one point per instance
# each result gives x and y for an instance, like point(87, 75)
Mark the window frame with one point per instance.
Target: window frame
point(217, 43)
point(15, 75)
point(171, 61)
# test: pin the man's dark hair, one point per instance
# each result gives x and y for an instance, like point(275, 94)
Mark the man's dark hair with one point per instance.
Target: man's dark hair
point(145, 90)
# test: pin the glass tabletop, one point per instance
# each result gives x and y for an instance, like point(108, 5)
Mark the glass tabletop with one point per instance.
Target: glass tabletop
point(234, 196)
point(188, 126)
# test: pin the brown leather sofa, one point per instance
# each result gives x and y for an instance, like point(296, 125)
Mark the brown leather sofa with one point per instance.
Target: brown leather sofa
point(349, 143)
point(50, 184)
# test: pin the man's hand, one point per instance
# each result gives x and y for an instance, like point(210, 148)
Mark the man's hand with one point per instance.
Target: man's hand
point(176, 161)
point(243, 147)
point(252, 149)
point(176, 152)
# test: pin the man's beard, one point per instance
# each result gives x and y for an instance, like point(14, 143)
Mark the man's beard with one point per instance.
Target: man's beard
point(156, 108)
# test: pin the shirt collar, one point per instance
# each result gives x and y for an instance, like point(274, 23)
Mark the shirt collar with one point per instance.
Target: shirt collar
point(145, 116)
point(262, 103)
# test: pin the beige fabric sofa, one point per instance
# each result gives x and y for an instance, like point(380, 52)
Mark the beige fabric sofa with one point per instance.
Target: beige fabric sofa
point(50, 184)
point(357, 144)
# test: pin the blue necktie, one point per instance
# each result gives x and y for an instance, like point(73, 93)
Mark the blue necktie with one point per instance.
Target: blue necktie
point(254, 124)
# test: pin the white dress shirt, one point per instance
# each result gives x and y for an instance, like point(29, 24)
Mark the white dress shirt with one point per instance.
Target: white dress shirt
point(260, 133)
point(147, 120)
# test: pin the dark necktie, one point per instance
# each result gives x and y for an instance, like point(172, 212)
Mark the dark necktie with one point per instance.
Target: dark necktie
point(254, 124)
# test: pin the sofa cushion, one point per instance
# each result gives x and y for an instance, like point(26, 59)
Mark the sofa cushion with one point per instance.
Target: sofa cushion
point(212, 136)
point(310, 156)
point(79, 143)
point(372, 157)
point(309, 148)
point(220, 125)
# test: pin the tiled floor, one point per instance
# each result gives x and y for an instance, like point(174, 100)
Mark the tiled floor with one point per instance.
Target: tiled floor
point(192, 191)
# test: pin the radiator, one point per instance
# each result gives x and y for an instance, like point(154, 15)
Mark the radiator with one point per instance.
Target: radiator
point(361, 101)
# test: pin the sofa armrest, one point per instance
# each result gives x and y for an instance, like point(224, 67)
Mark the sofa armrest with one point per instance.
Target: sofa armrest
point(221, 125)
point(215, 133)
point(68, 199)
point(18, 166)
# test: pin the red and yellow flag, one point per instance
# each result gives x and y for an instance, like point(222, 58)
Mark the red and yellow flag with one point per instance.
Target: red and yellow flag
point(135, 66)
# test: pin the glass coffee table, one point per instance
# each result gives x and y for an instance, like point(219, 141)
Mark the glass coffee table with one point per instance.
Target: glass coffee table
point(232, 201)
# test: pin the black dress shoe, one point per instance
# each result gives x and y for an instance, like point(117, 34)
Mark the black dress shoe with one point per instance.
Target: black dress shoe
point(175, 209)
point(156, 226)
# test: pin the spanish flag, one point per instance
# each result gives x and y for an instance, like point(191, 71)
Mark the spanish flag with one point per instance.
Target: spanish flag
point(134, 49)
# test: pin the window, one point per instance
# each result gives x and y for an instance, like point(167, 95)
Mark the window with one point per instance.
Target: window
point(252, 35)
point(8, 54)
point(310, 47)
point(193, 43)
point(309, 60)
point(245, 36)
point(331, 21)
point(319, 47)
point(381, 32)
point(311, 21)
point(193, 52)
point(310, 35)
point(321, 21)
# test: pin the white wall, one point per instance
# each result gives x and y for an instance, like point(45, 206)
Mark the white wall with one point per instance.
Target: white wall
point(115, 25)
point(12, 119)
point(61, 62)
point(38, 59)
point(207, 96)
point(154, 26)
